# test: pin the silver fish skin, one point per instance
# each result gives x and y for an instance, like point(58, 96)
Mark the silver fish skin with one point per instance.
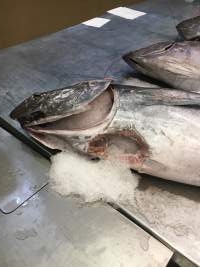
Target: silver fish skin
point(153, 130)
point(189, 29)
point(175, 63)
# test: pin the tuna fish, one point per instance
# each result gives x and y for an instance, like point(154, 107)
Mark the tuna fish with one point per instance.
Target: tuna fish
point(175, 63)
point(153, 130)
point(189, 29)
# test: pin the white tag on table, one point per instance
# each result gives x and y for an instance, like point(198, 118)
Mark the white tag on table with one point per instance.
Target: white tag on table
point(96, 22)
point(126, 13)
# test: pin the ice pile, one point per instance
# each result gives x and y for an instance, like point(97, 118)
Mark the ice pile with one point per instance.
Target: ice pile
point(104, 180)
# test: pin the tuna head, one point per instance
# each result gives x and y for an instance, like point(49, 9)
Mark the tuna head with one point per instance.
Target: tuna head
point(189, 29)
point(67, 117)
point(177, 64)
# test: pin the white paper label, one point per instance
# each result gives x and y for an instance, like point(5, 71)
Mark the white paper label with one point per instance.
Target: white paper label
point(126, 13)
point(96, 22)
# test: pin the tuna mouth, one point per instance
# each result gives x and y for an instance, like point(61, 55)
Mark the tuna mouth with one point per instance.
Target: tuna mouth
point(56, 104)
point(97, 112)
point(132, 61)
point(136, 57)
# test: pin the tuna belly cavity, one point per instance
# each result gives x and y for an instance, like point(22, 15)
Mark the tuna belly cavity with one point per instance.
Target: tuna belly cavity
point(120, 147)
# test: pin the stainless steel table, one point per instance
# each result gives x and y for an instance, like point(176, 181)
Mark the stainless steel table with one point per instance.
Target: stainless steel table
point(44, 229)
point(49, 230)
point(166, 210)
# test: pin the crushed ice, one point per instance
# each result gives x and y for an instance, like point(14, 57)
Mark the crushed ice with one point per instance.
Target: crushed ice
point(104, 180)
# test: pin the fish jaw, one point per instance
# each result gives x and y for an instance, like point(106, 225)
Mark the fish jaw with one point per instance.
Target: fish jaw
point(53, 105)
point(76, 130)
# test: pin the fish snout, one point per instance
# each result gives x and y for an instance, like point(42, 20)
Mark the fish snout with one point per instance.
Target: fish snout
point(146, 59)
point(28, 110)
point(138, 56)
point(59, 103)
point(132, 59)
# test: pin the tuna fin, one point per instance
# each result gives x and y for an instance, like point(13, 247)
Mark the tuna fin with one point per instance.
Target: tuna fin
point(161, 96)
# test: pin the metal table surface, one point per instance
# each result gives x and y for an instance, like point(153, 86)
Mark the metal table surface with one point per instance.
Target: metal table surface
point(172, 212)
point(169, 210)
point(18, 178)
point(50, 230)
